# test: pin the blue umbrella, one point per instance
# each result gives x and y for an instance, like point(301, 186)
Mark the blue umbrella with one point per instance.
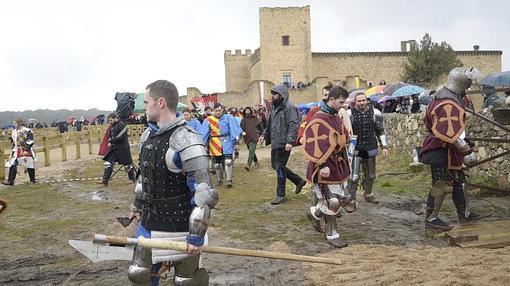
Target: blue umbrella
point(497, 80)
point(374, 97)
point(407, 91)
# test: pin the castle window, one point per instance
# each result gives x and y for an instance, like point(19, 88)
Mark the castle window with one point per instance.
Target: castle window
point(287, 80)
point(285, 40)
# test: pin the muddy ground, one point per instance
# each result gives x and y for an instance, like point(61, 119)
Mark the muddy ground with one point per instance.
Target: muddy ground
point(387, 244)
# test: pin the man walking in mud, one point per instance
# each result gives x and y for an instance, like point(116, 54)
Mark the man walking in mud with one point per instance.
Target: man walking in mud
point(368, 127)
point(118, 150)
point(324, 145)
point(446, 150)
point(281, 133)
point(174, 195)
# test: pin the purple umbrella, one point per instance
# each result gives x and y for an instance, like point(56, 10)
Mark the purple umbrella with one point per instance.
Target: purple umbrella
point(390, 89)
point(385, 98)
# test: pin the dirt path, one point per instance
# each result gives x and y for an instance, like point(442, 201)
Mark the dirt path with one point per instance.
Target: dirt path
point(387, 245)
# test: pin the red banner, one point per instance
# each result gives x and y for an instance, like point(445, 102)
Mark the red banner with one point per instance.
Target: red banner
point(205, 100)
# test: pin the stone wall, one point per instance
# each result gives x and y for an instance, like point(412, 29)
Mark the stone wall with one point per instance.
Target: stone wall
point(406, 132)
point(369, 66)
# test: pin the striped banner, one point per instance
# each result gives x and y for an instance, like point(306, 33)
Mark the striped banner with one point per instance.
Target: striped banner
point(214, 140)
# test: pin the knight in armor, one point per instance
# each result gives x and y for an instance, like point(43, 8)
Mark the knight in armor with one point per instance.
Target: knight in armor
point(174, 196)
point(324, 145)
point(368, 127)
point(118, 150)
point(445, 148)
point(23, 153)
point(221, 132)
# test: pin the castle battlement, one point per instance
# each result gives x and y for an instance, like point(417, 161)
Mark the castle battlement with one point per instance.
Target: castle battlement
point(237, 53)
point(285, 9)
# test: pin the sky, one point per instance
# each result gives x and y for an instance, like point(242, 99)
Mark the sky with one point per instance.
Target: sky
point(76, 54)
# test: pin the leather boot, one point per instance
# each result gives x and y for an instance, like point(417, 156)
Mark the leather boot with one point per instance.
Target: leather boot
point(12, 176)
point(31, 175)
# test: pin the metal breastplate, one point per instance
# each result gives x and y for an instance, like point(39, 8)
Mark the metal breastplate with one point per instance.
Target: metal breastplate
point(168, 203)
point(363, 126)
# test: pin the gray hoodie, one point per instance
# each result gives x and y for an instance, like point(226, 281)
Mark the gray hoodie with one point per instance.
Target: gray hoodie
point(283, 121)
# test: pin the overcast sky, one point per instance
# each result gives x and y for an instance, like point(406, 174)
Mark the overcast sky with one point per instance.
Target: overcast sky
point(77, 54)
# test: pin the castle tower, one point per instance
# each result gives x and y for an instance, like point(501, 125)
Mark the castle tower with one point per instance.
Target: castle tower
point(237, 70)
point(285, 45)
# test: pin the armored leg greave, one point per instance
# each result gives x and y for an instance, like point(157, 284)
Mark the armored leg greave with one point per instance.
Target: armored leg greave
point(438, 193)
point(108, 170)
point(354, 179)
point(189, 273)
point(229, 164)
point(331, 227)
point(440, 177)
point(139, 273)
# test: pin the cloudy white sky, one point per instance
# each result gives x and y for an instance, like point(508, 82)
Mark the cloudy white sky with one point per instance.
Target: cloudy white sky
point(77, 54)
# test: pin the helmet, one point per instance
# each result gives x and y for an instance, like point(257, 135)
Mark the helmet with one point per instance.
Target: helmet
point(460, 78)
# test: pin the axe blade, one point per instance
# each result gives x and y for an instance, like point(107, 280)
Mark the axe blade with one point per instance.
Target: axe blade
point(100, 252)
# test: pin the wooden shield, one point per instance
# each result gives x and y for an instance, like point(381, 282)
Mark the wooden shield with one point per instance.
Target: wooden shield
point(319, 140)
point(448, 121)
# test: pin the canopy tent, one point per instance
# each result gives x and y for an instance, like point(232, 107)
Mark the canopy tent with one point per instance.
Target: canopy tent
point(140, 106)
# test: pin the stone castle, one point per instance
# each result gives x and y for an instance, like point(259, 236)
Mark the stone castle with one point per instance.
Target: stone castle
point(285, 56)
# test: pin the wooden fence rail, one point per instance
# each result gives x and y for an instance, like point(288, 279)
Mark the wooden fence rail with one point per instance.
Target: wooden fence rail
point(47, 141)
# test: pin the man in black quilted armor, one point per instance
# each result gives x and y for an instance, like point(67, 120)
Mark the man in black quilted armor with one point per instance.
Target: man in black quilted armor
point(174, 195)
point(368, 127)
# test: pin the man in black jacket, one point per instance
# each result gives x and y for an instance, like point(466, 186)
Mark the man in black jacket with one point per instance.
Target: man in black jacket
point(281, 132)
point(118, 149)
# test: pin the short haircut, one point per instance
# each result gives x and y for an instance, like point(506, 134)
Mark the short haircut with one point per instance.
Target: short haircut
point(187, 110)
point(337, 92)
point(113, 115)
point(216, 105)
point(328, 87)
point(164, 89)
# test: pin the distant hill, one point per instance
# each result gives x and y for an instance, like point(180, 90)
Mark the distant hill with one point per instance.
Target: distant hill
point(48, 116)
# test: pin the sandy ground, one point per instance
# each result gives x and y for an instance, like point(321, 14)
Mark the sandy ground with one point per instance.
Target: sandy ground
point(387, 245)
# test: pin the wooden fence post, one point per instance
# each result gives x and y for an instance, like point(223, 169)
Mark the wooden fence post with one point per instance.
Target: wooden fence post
point(78, 144)
point(89, 139)
point(63, 145)
point(46, 151)
point(2, 161)
point(99, 135)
